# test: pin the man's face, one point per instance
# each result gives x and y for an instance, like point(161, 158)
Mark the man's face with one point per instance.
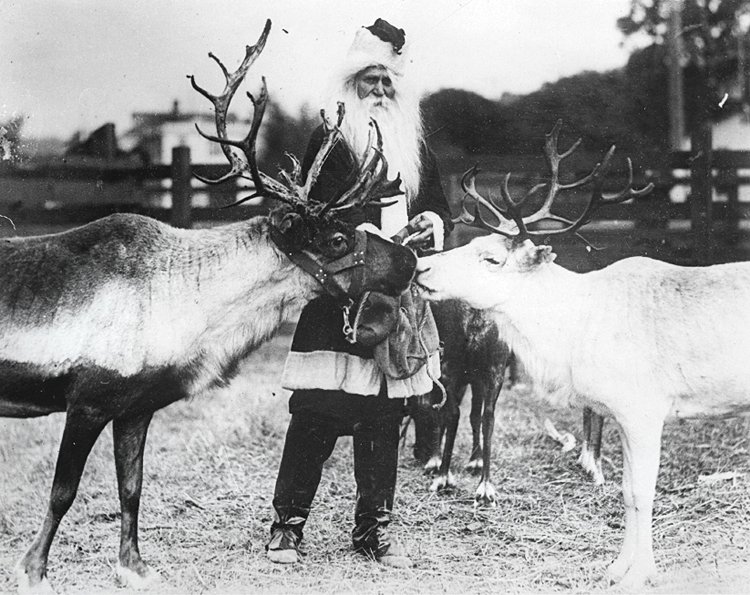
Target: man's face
point(375, 83)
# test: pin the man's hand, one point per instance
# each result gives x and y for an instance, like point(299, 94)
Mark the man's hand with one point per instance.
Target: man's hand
point(417, 233)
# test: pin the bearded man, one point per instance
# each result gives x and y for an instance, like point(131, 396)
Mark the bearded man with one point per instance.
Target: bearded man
point(338, 388)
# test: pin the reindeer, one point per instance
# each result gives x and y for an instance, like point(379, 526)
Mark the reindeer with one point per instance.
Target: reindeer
point(121, 317)
point(473, 355)
point(638, 341)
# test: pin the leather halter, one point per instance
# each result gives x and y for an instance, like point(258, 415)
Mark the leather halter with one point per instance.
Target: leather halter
point(325, 273)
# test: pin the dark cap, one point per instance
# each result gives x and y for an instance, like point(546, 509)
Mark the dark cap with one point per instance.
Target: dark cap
point(388, 33)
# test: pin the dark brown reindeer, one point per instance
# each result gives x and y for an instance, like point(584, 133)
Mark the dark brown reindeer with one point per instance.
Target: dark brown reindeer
point(473, 355)
point(123, 316)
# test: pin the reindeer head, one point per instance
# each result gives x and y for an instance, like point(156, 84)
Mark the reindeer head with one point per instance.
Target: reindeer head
point(317, 236)
point(482, 271)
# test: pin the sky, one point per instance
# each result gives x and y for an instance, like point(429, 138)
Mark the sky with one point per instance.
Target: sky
point(72, 65)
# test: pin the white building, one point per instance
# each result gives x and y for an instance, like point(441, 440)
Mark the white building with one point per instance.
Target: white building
point(159, 132)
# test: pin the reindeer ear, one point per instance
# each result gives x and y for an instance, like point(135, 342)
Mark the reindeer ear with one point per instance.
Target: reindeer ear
point(531, 256)
point(292, 228)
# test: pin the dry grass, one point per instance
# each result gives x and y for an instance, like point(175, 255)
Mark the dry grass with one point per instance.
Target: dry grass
point(210, 470)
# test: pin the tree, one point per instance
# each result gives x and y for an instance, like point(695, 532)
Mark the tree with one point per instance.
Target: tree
point(284, 133)
point(601, 107)
point(11, 147)
point(466, 120)
point(714, 41)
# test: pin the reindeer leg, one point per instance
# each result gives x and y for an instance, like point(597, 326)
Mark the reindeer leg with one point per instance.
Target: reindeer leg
point(595, 446)
point(80, 433)
point(590, 457)
point(490, 391)
point(641, 446)
point(129, 436)
point(585, 450)
point(427, 433)
point(476, 461)
point(450, 415)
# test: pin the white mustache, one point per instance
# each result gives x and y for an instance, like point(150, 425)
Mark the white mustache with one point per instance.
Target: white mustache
point(379, 103)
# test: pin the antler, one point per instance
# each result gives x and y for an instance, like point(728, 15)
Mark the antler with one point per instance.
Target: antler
point(371, 178)
point(243, 165)
point(372, 182)
point(512, 224)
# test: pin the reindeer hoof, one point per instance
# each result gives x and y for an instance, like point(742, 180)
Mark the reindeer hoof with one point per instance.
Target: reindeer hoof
point(129, 578)
point(486, 495)
point(443, 482)
point(24, 584)
point(589, 464)
point(616, 571)
point(636, 579)
point(433, 465)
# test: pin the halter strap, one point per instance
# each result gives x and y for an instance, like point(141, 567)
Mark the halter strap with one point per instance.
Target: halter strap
point(325, 273)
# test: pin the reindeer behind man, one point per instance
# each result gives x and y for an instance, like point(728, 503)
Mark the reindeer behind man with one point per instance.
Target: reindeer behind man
point(473, 355)
point(121, 317)
point(639, 341)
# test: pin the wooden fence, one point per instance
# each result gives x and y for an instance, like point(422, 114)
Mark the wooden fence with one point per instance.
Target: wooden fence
point(64, 196)
point(683, 230)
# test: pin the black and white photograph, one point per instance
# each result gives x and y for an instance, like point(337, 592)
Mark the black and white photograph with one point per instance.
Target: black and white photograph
point(386, 297)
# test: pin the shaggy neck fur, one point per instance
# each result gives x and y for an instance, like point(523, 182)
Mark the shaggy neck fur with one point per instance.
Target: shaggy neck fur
point(535, 322)
point(149, 296)
point(240, 300)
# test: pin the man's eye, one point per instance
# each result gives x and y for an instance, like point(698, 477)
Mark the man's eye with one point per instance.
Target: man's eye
point(491, 260)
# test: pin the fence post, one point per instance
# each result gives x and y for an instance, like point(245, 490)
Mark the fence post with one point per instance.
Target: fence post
point(733, 207)
point(181, 187)
point(701, 192)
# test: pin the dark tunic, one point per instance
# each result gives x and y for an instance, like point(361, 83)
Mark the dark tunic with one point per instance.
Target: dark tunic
point(320, 324)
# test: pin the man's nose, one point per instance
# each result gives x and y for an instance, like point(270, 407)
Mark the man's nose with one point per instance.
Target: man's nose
point(378, 89)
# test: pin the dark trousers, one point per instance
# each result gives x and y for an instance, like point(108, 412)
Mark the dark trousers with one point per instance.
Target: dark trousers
point(310, 440)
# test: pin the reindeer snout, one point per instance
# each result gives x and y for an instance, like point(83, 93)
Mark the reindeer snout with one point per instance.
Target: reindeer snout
point(422, 267)
point(421, 277)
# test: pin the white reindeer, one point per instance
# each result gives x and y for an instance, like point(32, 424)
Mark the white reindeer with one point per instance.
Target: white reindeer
point(121, 317)
point(639, 341)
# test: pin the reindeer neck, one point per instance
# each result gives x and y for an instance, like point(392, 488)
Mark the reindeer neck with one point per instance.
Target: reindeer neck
point(147, 296)
point(539, 325)
point(238, 289)
point(239, 277)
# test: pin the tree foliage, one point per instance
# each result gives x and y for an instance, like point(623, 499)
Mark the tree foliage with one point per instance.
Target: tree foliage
point(627, 107)
point(284, 133)
point(713, 36)
point(11, 146)
point(603, 108)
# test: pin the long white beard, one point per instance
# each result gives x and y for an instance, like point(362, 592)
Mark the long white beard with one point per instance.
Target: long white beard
point(401, 126)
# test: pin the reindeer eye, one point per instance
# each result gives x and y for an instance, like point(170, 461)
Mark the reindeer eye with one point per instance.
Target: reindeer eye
point(337, 245)
point(338, 241)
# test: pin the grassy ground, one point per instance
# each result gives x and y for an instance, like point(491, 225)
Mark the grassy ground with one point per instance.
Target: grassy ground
point(210, 470)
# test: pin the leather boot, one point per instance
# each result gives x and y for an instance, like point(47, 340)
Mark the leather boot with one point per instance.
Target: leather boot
point(375, 463)
point(307, 447)
point(286, 534)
